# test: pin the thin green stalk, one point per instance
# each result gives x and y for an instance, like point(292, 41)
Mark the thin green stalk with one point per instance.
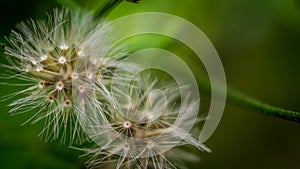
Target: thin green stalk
point(241, 99)
point(107, 8)
point(245, 100)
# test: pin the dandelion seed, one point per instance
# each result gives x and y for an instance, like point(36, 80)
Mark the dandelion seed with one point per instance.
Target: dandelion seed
point(51, 98)
point(43, 58)
point(34, 62)
point(150, 145)
point(81, 88)
point(90, 75)
point(59, 85)
point(38, 69)
point(42, 84)
point(127, 124)
point(64, 47)
point(28, 69)
point(80, 53)
point(74, 75)
point(62, 60)
point(67, 103)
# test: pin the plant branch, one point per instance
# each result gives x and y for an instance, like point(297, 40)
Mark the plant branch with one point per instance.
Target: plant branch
point(241, 99)
point(107, 8)
point(245, 100)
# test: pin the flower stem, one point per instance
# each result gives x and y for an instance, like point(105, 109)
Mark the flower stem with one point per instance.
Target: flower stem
point(107, 8)
point(241, 99)
point(250, 102)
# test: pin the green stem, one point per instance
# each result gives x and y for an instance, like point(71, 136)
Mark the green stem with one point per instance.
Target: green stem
point(241, 99)
point(68, 3)
point(250, 102)
point(107, 8)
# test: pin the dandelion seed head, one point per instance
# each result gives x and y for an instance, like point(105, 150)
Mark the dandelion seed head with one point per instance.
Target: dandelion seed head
point(147, 118)
point(61, 55)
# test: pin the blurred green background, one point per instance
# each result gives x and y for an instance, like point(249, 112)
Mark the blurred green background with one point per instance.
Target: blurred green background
point(259, 44)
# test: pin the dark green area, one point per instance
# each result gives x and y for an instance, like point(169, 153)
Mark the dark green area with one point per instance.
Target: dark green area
point(258, 43)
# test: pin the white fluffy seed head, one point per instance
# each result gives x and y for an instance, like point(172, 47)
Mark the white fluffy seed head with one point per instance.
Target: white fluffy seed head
point(147, 118)
point(45, 51)
point(54, 57)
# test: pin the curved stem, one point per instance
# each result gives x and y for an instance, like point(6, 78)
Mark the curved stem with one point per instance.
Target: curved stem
point(109, 6)
point(106, 8)
point(250, 102)
point(241, 99)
